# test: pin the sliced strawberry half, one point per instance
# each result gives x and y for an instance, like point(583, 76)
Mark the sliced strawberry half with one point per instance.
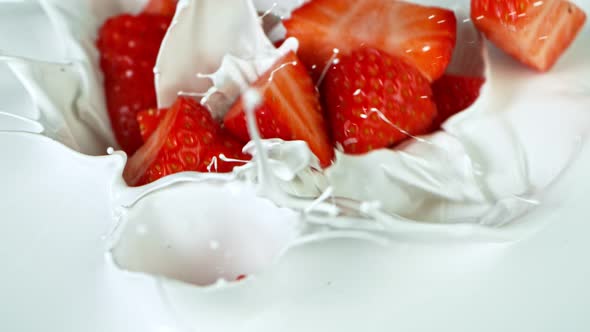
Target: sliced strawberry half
point(453, 94)
point(290, 109)
point(375, 100)
point(422, 36)
point(187, 139)
point(534, 32)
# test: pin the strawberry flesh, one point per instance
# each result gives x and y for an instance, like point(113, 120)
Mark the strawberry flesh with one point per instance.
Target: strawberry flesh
point(290, 109)
point(375, 100)
point(422, 36)
point(187, 139)
point(534, 32)
point(128, 48)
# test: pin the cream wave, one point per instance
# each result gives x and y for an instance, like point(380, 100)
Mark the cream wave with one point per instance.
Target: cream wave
point(480, 174)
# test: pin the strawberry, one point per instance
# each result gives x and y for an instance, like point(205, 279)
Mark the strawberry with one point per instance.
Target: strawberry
point(290, 109)
point(453, 94)
point(375, 100)
point(128, 48)
point(161, 7)
point(422, 36)
point(278, 43)
point(534, 32)
point(148, 121)
point(187, 139)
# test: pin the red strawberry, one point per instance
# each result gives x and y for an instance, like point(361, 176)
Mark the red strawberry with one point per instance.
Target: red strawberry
point(422, 36)
point(148, 121)
point(278, 43)
point(161, 7)
point(128, 48)
point(187, 139)
point(374, 100)
point(290, 109)
point(534, 32)
point(452, 94)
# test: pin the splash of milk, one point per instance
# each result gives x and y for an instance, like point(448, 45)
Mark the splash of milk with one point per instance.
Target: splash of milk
point(61, 114)
point(198, 58)
point(236, 74)
point(498, 164)
point(463, 180)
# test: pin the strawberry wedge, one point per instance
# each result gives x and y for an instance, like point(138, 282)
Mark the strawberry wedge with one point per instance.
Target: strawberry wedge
point(534, 32)
point(186, 139)
point(423, 36)
point(375, 100)
point(290, 109)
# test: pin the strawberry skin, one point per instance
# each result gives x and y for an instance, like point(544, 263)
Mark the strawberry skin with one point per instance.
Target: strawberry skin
point(374, 100)
point(128, 48)
point(148, 121)
point(423, 36)
point(290, 109)
point(534, 32)
point(187, 139)
point(453, 94)
point(161, 7)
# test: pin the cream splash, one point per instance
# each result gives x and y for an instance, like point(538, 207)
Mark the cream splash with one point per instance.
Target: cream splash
point(471, 182)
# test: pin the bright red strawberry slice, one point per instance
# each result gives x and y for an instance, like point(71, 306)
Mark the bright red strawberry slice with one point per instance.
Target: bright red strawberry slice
point(148, 121)
point(128, 48)
point(422, 36)
point(290, 109)
point(161, 7)
point(453, 94)
point(534, 32)
point(187, 139)
point(374, 100)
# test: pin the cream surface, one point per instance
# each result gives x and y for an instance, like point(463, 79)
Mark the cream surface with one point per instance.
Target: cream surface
point(492, 164)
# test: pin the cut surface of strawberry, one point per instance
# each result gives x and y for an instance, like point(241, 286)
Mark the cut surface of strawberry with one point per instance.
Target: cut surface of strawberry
point(453, 94)
point(422, 36)
point(375, 100)
point(290, 109)
point(187, 139)
point(161, 7)
point(128, 48)
point(148, 121)
point(534, 32)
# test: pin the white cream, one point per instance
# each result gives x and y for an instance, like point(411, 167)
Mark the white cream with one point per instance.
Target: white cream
point(187, 232)
point(65, 110)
